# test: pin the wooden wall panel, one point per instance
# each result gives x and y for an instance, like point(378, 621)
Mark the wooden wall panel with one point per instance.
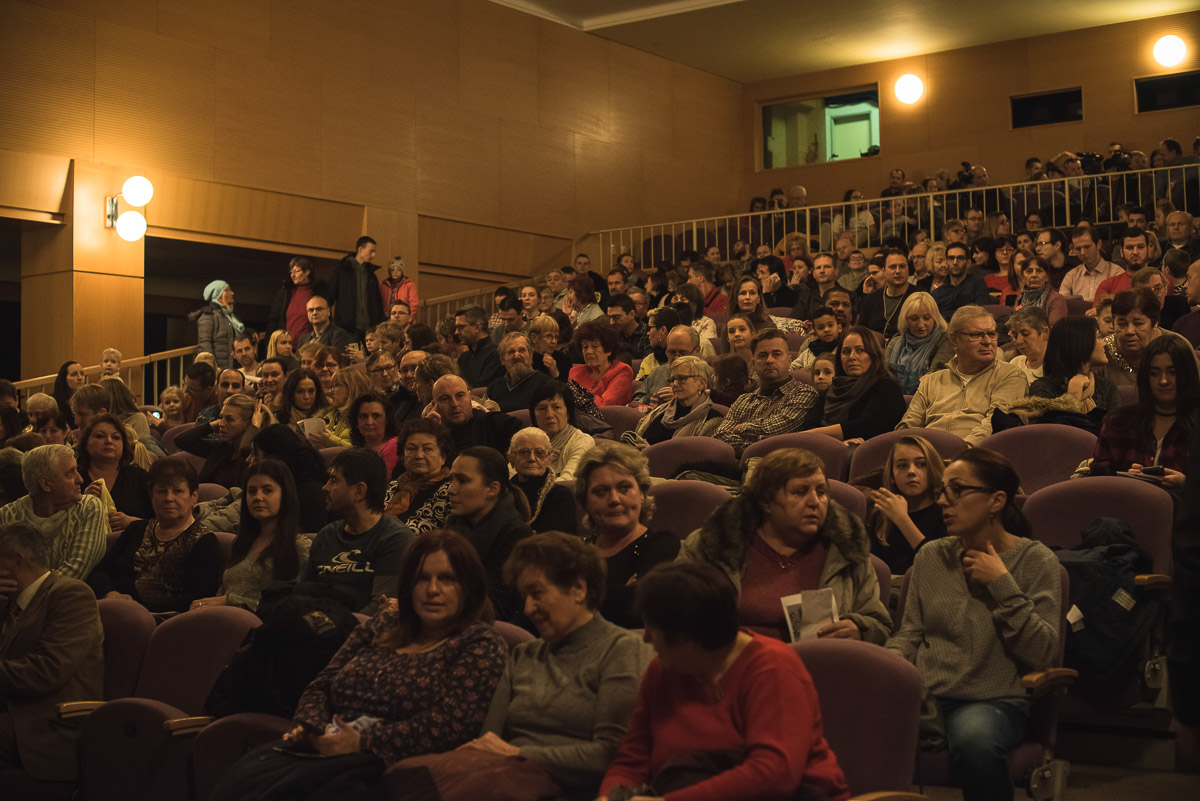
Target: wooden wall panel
point(47, 58)
point(458, 168)
point(573, 87)
point(140, 14)
point(43, 298)
point(479, 247)
point(639, 99)
point(33, 182)
point(705, 115)
point(267, 126)
point(186, 206)
point(609, 184)
point(537, 178)
point(97, 323)
point(141, 79)
point(498, 61)
point(415, 45)
point(368, 144)
point(237, 26)
point(308, 38)
point(967, 107)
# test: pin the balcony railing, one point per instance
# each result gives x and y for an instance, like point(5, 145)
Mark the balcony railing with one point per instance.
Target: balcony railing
point(146, 376)
point(1058, 202)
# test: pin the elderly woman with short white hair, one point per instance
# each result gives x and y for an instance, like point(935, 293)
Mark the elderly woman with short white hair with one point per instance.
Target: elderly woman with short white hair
point(530, 455)
point(689, 413)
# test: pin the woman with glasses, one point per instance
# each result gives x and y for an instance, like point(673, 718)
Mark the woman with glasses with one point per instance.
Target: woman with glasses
point(983, 608)
point(690, 411)
point(611, 382)
point(551, 507)
point(420, 496)
point(552, 409)
point(383, 372)
point(612, 487)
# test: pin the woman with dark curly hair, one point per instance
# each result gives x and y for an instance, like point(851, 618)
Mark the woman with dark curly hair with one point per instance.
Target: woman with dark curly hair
point(372, 426)
point(611, 382)
point(301, 398)
point(105, 458)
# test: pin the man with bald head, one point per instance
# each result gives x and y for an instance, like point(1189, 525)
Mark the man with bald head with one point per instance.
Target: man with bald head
point(682, 340)
point(451, 406)
point(1181, 235)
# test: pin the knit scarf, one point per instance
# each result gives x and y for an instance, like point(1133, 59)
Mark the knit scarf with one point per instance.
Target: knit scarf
point(1034, 297)
point(915, 353)
point(844, 393)
point(405, 488)
point(686, 424)
point(559, 441)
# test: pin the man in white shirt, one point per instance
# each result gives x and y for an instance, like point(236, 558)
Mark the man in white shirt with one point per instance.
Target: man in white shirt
point(1082, 281)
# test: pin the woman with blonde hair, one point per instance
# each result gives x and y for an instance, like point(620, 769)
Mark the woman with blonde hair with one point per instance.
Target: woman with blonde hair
point(939, 269)
point(905, 514)
point(282, 346)
point(346, 385)
point(690, 411)
point(921, 346)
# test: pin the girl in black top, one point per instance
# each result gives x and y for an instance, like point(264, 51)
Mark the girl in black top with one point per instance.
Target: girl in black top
point(905, 514)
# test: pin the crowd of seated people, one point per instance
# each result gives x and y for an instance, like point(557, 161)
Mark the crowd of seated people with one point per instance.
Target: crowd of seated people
point(431, 480)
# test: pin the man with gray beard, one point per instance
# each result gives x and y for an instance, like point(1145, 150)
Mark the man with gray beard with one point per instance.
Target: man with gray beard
point(514, 389)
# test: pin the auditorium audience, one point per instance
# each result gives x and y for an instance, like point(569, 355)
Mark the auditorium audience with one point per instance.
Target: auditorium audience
point(492, 514)
point(1036, 291)
point(783, 535)
point(962, 288)
point(739, 330)
point(779, 405)
point(279, 442)
point(1157, 429)
point(905, 515)
point(688, 413)
point(50, 653)
point(551, 507)
point(608, 380)
point(424, 669)
point(420, 496)
point(921, 346)
point(1083, 281)
point(612, 488)
point(53, 428)
point(864, 399)
point(552, 409)
point(301, 398)
point(764, 739)
point(1136, 314)
point(76, 525)
point(1074, 353)
point(322, 330)
point(217, 325)
point(547, 358)
point(1030, 332)
point(68, 381)
point(520, 381)
point(224, 456)
point(354, 560)
point(170, 560)
point(565, 699)
point(827, 330)
point(289, 313)
point(346, 385)
point(105, 459)
point(880, 311)
point(960, 399)
point(983, 608)
point(470, 426)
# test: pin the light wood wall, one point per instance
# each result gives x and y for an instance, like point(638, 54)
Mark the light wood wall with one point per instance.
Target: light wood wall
point(964, 114)
point(457, 109)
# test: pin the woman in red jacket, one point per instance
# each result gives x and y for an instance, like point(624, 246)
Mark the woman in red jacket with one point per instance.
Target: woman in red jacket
point(398, 286)
point(737, 708)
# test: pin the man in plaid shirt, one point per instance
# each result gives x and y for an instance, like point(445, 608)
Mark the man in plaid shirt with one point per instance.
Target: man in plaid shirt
point(77, 523)
point(779, 405)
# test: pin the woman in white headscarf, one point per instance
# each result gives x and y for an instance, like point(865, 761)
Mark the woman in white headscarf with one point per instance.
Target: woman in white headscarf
point(216, 324)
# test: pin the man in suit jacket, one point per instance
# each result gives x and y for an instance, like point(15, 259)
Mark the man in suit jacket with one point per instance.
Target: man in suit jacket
point(51, 651)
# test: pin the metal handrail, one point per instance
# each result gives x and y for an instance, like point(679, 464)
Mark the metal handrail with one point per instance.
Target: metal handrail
point(134, 372)
point(1060, 201)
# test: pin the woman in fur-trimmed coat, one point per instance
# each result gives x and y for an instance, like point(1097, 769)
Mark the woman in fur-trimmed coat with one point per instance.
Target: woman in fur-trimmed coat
point(784, 535)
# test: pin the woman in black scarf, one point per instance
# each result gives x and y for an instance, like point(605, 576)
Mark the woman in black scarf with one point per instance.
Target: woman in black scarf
point(864, 400)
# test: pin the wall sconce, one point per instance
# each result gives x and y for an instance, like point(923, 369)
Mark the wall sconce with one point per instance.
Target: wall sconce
point(131, 225)
point(1169, 50)
point(909, 89)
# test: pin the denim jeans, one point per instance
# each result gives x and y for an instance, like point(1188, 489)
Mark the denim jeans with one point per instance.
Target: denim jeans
point(980, 735)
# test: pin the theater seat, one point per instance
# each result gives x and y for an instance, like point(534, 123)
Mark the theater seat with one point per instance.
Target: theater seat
point(872, 454)
point(1044, 453)
point(621, 418)
point(682, 506)
point(211, 492)
point(831, 450)
point(665, 458)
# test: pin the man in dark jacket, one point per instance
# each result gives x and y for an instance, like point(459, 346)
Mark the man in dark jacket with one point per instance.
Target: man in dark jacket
point(469, 426)
point(479, 364)
point(354, 291)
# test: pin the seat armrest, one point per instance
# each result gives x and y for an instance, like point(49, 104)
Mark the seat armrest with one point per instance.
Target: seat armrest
point(77, 709)
point(889, 795)
point(1152, 581)
point(1040, 680)
point(185, 727)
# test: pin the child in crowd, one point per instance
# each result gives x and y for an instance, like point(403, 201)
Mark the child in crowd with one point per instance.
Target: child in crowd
point(1104, 317)
point(822, 372)
point(827, 332)
point(731, 378)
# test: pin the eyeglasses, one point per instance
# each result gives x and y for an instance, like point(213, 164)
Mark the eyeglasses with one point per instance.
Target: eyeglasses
point(381, 370)
point(979, 336)
point(525, 453)
point(681, 378)
point(955, 491)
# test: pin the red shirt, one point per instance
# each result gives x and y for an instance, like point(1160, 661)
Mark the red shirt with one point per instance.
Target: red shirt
point(715, 302)
point(768, 576)
point(1113, 285)
point(766, 704)
point(296, 318)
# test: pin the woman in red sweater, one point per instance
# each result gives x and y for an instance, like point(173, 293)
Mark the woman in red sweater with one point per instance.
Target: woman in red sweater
point(722, 714)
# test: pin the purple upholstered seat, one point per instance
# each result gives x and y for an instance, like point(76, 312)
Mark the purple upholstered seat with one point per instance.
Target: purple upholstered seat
point(667, 457)
point(1042, 454)
point(872, 454)
point(683, 506)
point(831, 450)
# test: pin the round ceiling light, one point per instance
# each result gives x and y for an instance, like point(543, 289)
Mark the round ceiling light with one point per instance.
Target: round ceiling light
point(131, 226)
point(137, 191)
point(1169, 50)
point(909, 88)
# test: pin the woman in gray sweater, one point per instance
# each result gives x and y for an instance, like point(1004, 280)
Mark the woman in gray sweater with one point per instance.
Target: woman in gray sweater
point(565, 699)
point(983, 607)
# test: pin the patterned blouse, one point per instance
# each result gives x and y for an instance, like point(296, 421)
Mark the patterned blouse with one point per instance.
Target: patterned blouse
point(429, 702)
point(158, 567)
point(428, 510)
